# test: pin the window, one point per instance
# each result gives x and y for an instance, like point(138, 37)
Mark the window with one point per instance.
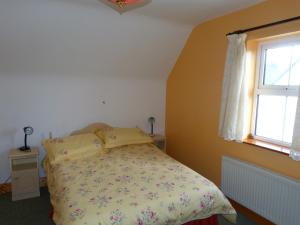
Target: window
point(276, 91)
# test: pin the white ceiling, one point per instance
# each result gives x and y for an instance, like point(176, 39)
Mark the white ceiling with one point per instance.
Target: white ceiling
point(88, 37)
point(193, 12)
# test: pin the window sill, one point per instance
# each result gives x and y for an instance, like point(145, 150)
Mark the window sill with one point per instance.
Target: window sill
point(268, 146)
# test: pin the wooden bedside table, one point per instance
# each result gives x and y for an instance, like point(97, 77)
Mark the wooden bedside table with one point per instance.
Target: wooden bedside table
point(24, 174)
point(160, 142)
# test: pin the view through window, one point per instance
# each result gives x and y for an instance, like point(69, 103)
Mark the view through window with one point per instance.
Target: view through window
point(276, 91)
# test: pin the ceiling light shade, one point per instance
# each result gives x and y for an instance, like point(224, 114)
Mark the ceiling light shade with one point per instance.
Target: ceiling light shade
point(125, 5)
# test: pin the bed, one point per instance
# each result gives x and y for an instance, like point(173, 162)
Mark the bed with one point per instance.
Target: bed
point(133, 184)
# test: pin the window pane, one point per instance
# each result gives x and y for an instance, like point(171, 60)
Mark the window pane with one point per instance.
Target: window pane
point(270, 116)
point(277, 66)
point(291, 105)
point(295, 67)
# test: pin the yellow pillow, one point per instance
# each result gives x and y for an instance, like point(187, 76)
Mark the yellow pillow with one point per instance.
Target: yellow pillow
point(72, 147)
point(116, 137)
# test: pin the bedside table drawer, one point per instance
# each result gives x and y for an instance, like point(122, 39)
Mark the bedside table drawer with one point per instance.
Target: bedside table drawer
point(23, 164)
point(25, 184)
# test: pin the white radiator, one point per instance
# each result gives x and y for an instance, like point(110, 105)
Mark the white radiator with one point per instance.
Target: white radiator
point(273, 196)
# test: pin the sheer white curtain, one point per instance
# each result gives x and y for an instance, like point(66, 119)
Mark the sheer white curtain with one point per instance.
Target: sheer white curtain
point(233, 105)
point(295, 152)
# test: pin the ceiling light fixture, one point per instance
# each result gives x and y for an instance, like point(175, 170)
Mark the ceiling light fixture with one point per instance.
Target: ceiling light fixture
point(124, 5)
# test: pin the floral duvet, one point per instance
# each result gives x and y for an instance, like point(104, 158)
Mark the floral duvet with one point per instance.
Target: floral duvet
point(131, 185)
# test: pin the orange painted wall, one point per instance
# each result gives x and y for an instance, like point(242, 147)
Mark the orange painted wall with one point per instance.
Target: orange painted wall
point(194, 93)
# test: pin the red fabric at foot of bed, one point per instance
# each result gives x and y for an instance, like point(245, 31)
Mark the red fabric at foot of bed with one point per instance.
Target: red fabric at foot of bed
point(50, 214)
point(213, 220)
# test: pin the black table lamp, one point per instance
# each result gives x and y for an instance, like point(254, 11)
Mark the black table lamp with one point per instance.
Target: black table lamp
point(151, 120)
point(27, 131)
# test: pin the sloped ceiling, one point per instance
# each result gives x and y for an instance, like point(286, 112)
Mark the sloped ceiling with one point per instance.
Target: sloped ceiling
point(87, 37)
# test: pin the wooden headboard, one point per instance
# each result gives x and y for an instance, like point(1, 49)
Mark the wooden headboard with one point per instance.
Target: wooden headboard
point(91, 128)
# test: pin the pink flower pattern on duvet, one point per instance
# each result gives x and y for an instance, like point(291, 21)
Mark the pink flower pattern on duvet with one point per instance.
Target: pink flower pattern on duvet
point(131, 185)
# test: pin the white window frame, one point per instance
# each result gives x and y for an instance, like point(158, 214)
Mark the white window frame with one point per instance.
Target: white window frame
point(261, 89)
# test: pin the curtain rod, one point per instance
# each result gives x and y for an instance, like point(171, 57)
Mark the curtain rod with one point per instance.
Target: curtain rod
point(264, 26)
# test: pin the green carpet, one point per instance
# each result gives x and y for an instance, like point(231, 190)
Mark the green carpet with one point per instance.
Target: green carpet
point(32, 211)
point(35, 211)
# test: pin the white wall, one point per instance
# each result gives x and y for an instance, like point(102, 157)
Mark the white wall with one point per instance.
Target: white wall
point(60, 104)
point(59, 59)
